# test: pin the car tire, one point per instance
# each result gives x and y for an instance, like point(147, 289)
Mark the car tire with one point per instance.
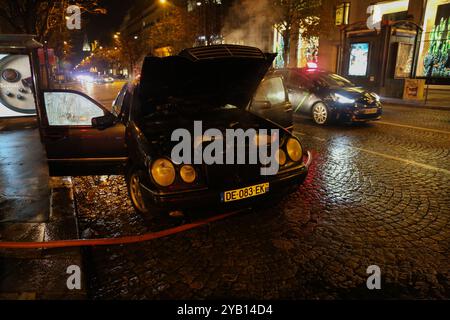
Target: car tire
point(133, 179)
point(320, 113)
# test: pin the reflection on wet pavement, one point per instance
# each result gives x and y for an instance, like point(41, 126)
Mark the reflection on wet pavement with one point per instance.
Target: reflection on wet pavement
point(24, 191)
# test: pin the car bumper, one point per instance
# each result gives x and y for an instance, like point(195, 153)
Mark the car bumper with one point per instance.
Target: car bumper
point(282, 184)
point(358, 114)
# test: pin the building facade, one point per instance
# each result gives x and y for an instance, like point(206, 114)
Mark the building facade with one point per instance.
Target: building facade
point(381, 44)
point(208, 14)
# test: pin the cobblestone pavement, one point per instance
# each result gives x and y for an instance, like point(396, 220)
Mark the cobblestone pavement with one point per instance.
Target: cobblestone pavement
point(377, 194)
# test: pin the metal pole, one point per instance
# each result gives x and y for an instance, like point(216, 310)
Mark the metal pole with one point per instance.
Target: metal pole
point(430, 74)
point(47, 66)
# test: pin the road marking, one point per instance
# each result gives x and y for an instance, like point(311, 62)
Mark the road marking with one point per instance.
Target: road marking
point(412, 127)
point(418, 164)
point(414, 163)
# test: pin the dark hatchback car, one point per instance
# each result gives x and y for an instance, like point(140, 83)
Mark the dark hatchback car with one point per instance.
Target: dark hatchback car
point(215, 85)
point(328, 97)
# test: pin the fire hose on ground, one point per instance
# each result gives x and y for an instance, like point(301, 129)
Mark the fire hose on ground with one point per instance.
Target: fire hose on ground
point(113, 241)
point(122, 240)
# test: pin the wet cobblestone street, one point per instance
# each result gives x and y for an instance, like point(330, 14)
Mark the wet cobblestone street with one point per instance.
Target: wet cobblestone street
point(376, 194)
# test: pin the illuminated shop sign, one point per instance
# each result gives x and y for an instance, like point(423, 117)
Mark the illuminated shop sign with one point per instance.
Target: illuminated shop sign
point(377, 11)
point(342, 14)
point(359, 59)
point(16, 86)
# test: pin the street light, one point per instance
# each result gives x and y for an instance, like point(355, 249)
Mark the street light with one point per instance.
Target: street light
point(163, 2)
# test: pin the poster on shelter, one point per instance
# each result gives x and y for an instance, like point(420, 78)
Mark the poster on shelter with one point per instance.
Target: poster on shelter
point(404, 60)
point(16, 86)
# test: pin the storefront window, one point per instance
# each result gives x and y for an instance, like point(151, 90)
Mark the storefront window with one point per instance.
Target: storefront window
point(278, 47)
point(434, 60)
point(307, 50)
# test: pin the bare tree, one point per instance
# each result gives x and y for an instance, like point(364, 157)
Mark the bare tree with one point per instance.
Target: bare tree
point(130, 51)
point(176, 29)
point(44, 18)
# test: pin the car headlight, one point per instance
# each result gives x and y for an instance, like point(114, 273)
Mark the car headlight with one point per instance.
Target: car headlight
point(377, 97)
point(163, 172)
point(294, 150)
point(342, 99)
point(281, 157)
point(188, 173)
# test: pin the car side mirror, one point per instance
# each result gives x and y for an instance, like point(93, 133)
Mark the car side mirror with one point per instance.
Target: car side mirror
point(261, 105)
point(104, 122)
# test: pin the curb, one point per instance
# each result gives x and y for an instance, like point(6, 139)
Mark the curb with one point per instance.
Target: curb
point(415, 106)
point(42, 274)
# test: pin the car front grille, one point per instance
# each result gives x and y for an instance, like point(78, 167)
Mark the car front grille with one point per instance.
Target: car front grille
point(226, 177)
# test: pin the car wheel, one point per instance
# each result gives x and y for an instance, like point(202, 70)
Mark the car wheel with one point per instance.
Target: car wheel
point(135, 191)
point(320, 113)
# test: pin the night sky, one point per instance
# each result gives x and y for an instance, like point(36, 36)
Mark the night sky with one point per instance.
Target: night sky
point(101, 27)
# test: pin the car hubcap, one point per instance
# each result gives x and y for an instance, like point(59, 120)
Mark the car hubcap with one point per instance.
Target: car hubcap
point(320, 114)
point(136, 193)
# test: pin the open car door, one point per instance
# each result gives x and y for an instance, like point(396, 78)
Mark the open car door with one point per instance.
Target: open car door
point(271, 101)
point(81, 137)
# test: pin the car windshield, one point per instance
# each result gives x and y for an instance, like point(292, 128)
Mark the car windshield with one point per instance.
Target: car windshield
point(324, 79)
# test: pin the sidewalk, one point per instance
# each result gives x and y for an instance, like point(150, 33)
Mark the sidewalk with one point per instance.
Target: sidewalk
point(33, 208)
point(437, 100)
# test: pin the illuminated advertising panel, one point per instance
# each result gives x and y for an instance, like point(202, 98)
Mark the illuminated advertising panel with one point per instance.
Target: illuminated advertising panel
point(16, 86)
point(359, 59)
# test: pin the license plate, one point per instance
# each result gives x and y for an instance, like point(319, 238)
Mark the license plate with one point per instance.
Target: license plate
point(244, 193)
point(370, 111)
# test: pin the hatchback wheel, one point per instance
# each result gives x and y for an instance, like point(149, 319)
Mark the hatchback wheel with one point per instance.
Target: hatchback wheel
point(320, 113)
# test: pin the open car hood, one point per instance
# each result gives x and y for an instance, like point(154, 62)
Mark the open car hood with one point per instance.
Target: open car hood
point(205, 76)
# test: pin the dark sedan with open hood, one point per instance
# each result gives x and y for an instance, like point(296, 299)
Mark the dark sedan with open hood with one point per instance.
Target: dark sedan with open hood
point(203, 95)
point(328, 97)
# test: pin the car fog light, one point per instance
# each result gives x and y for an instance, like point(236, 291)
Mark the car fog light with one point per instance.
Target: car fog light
point(163, 172)
point(188, 174)
point(294, 150)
